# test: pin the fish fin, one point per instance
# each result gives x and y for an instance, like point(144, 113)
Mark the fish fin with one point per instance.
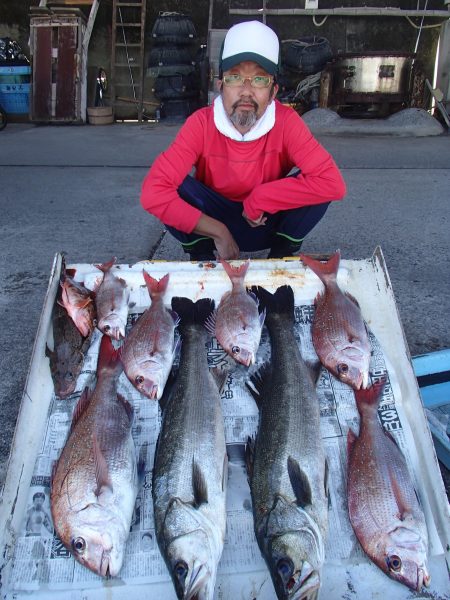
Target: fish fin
point(257, 382)
point(49, 353)
point(81, 406)
point(210, 322)
point(155, 288)
point(105, 267)
point(142, 459)
point(351, 439)
point(174, 315)
point(353, 299)
point(101, 469)
point(280, 303)
point(127, 406)
point(249, 456)
point(167, 390)
point(262, 316)
point(176, 345)
point(299, 482)
point(192, 312)
point(225, 472)
point(236, 274)
point(253, 296)
point(219, 376)
point(325, 271)
point(315, 368)
point(370, 396)
point(199, 485)
point(403, 509)
point(108, 356)
point(326, 479)
point(53, 474)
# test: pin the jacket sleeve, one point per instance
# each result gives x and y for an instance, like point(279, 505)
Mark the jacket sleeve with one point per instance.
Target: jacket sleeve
point(159, 195)
point(319, 179)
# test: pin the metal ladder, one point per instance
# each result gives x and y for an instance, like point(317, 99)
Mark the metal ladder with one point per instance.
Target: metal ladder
point(127, 54)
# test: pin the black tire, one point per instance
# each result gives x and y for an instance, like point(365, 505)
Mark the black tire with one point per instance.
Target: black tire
point(307, 55)
point(161, 56)
point(178, 109)
point(177, 86)
point(173, 28)
point(3, 119)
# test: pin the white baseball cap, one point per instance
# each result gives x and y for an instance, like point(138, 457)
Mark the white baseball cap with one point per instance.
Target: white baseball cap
point(253, 41)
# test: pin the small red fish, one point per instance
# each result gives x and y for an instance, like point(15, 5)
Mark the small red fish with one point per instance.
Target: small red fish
point(236, 323)
point(339, 333)
point(111, 299)
point(78, 302)
point(383, 507)
point(149, 349)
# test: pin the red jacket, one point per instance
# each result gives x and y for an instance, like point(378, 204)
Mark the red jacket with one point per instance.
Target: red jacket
point(253, 173)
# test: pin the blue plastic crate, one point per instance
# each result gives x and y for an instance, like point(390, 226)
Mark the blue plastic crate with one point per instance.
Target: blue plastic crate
point(15, 75)
point(15, 98)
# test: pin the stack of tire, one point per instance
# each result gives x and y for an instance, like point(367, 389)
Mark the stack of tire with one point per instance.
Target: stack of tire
point(302, 60)
point(172, 63)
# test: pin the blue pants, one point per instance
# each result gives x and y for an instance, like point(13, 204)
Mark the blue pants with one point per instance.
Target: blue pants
point(293, 225)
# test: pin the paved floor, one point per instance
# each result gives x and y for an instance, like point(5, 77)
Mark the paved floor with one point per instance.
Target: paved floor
point(77, 189)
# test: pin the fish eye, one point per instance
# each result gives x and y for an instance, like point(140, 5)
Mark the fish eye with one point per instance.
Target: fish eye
point(342, 368)
point(106, 328)
point(139, 379)
point(79, 545)
point(394, 562)
point(180, 569)
point(285, 568)
point(69, 376)
point(235, 349)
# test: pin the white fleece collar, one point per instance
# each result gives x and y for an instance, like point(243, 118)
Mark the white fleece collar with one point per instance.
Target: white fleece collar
point(226, 127)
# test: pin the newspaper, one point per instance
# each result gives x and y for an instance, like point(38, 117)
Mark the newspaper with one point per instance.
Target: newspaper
point(41, 564)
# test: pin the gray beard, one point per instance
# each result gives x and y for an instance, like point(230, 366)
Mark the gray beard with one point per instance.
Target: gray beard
point(245, 118)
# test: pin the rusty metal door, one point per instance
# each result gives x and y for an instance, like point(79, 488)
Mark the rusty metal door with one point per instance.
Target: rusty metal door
point(66, 67)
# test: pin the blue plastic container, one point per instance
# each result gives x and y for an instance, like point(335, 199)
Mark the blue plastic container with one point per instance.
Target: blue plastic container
point(15, 89)
point(15, 97)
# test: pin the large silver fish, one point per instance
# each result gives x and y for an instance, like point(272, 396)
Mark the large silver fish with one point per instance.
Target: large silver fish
point(383, 507)
point(148, 350)
point(111, 300)
point(236, 323)
point(287, 467)
point(95, 481)
point(191, 466)
point(67, 356)
point(339, 333)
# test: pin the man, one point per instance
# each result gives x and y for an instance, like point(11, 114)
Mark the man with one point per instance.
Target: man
point(244, 147)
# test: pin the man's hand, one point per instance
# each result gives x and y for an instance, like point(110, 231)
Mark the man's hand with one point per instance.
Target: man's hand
point(223, 240)
point(261, 220)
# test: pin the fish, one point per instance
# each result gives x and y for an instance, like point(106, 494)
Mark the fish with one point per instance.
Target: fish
point(111, 299)
point(78, 301)
point(96, 478)
point(339, 333)
point(383, 506)
point(149, 349)
point(191, 466)
point(237, 323)
point(67, 356)
point(286, 463)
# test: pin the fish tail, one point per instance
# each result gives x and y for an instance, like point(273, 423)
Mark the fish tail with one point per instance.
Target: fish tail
point(370, 397)
point(105, 267)
point(192, 312)
point(236, 274)
point(156, 288)
point(325, 271)
point(280, 303)
point(108, 356)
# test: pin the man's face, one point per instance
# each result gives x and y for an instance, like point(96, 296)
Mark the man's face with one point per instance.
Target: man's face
point(245, 104)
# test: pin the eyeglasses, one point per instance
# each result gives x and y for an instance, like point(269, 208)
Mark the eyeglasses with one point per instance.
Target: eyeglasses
point(259, 81)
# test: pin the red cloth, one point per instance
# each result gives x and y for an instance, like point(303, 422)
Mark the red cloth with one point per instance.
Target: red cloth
point(253, 173)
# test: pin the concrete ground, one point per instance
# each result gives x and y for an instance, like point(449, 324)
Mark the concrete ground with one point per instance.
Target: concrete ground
point(76, 189)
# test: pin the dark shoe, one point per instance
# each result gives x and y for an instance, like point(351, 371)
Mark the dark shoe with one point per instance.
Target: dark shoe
point(202, 257)
point(283, 247)
point(201, 250)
